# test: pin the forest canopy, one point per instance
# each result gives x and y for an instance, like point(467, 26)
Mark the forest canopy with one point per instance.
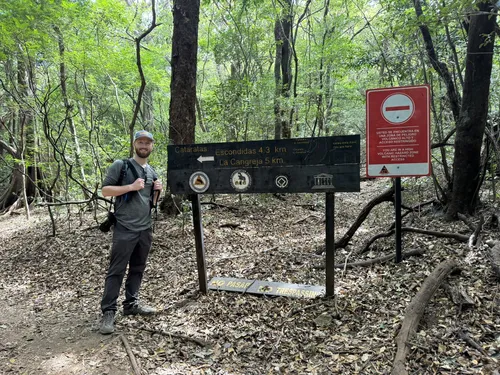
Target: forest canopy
point(72, 89)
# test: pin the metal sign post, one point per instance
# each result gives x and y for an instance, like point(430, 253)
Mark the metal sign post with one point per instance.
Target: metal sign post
point(199, 243)
point(330, 244)
point(397, 207)
point(299, 165)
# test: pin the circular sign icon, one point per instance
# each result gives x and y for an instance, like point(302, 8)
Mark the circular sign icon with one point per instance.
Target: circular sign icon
point(398, 108)
point(281, 181)
point(240, 180)
point(199, 182)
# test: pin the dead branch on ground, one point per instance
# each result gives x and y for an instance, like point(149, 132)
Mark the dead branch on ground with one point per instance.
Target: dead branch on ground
point(418, 206)
point(179, 336)
point(133, 361)
point(475, 236)
point(458, 296)
point(476, 229)
point(230, 225)
point(305, 218)
point(471, 342)
point(466, 221)
point(415, 310)
point(218, 205)
point(311, 207)
point(375, 238)
point(370, 262)
point(455, 236)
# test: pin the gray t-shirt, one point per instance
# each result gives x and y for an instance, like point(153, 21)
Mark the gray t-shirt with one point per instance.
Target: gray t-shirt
point(132, 210)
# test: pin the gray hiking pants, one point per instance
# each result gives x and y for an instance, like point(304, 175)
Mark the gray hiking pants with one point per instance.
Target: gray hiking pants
point(132, 249)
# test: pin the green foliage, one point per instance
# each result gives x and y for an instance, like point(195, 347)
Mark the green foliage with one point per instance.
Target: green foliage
point(338, 53)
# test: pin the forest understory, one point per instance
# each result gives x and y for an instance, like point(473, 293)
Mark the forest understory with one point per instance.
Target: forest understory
point(50, 291)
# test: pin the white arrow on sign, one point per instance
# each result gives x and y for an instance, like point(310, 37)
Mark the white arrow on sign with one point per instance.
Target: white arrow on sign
point(201, 159)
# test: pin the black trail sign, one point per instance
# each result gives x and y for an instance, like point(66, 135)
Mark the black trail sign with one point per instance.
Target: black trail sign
point(315, 165)
point(323, 164)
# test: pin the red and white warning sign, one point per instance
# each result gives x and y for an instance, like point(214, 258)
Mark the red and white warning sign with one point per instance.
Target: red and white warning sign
point(398, 131)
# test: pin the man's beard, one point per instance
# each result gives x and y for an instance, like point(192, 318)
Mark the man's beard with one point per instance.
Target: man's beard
point(142, 153)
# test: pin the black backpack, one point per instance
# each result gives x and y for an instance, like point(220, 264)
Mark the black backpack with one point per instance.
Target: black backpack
point(111, 219)
point(123, 175)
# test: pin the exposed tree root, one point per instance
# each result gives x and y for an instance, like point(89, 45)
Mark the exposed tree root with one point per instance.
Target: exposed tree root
point(386, 196)
point(415, 310)
point(454, 236)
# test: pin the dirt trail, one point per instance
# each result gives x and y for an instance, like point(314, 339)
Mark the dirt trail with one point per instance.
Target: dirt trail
point(50, 290)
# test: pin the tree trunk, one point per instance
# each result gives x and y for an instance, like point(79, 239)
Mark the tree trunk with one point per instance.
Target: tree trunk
point(319, 120)
point(183, 84)
point(440, 67)
point(69, 117)
point(474, 112)
point(147, 109)
point(21, 146)
point(138, 62)
point(282, 72)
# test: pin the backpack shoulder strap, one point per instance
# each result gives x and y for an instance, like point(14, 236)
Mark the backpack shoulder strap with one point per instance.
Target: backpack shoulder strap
point(155, 175)
point(126, 166)
point(123, 173)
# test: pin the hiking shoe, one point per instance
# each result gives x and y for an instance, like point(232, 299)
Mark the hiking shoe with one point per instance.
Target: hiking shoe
point(139, 309)
point(107, 323)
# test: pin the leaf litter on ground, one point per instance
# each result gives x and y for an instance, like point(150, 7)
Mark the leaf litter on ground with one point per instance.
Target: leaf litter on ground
point(51, 287)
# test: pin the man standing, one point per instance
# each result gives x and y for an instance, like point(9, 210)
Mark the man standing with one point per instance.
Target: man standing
point(132, 235)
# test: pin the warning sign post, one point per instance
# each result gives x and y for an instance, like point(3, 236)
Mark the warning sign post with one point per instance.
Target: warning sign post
point(398, 132)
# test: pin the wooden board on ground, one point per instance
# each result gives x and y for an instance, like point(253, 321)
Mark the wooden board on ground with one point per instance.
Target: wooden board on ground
point(268, 288)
